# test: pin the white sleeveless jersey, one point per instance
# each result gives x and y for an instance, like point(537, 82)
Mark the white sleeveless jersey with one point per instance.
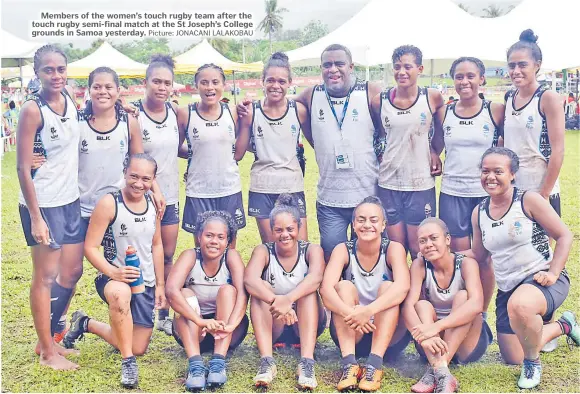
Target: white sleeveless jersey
point(56, 181)
point(211, 170)
point(442, 299)
point(526, 133)
point(406, 161)
point(275, 142)
point(161, 141)
point(135, 229)
point(282, 281)
point(518, 245)
point(101, 160)
point(205, 287)
point(466, 139)
point(344, 187)
point(367, 283)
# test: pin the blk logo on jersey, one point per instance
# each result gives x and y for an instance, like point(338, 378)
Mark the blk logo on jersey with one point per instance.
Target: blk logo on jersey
point(288, 274)
point(466, 122)
point(406, 112)
point(254, 210)
point(208, 279)
point(140, 220)
point(443, 291)
point(53, 134)
point(161, 126)
point(516, 113)
point(103, 138)
point(84, 146)
point(63, 120)
point(123, 232)
point(337, 102)
point(279, 123)
point(146, 137)
point(211, 124)
point(497, 224)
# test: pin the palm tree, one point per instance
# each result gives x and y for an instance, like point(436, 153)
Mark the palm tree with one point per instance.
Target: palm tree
point(219, 44)
point(272, 22)
point(493, 11)
point(463, 7)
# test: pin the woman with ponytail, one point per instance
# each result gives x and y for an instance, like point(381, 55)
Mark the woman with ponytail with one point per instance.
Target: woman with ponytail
point(270, 128)
point(283, 277)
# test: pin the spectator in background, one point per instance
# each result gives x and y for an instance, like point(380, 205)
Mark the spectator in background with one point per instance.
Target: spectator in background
point(10, 120)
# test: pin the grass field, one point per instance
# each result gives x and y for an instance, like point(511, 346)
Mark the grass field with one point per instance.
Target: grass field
point(163, 368)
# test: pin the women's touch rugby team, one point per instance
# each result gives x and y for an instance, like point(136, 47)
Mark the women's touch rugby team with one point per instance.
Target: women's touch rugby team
point(106, 177)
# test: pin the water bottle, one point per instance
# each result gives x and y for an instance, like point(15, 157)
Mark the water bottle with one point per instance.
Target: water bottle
point(132, 260)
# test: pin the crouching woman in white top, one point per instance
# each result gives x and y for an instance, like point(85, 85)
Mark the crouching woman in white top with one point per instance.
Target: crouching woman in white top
point(443, 308)
point(123, 219)
point(513, 226)
point(206, 290)
point(283, 278)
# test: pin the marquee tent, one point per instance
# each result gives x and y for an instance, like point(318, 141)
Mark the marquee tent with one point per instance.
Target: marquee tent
point(203, 53)
point(108, 56)
point(15, 49)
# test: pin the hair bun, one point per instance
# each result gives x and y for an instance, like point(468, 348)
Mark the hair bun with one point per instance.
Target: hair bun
point(287, 199)
point(158, 57)
point(528, 36)
point(279, 56)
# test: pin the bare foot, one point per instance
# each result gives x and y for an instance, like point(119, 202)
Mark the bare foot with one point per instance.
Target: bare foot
point(58, 362)
point(59, 349)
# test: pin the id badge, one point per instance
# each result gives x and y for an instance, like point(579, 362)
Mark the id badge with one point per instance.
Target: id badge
point(343, 156)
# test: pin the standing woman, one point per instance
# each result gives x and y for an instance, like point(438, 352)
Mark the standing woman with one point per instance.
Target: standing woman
point(283, 277)
point(49, 200)
point(271, 129)
point(161, 140)
point(534, 122)
point(213, 177)
point(512, 226)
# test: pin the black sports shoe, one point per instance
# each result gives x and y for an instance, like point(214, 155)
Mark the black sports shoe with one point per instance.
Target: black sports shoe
point(129, 373)
point(78, 326)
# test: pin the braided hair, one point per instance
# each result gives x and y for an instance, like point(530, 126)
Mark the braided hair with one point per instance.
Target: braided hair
point(210, 65)
point(43, 50)
point(159, 60)
point(221, 216)
point(478, 63)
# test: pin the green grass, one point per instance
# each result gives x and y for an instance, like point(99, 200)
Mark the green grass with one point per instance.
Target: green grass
point(163, 368)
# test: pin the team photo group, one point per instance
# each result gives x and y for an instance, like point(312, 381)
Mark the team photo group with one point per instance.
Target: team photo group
point(102, 183)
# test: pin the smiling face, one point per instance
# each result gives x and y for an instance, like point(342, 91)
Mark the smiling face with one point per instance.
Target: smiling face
point(210, 85)
point(52, 72)
point(467, 80)
point(522, 68)
point(496, 174)
point(433, 242)
point(104, 91)
point(285, 231)
point(276, 82)
point(213, 240)
point(369, 222)
point(336, 72)
point(139, 177)
point(159, 85)
point(406, 70)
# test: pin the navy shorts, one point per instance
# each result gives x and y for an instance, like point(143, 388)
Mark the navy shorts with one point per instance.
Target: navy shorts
point(333, 224)
point(207, 344)
point(555, 203)
point(410, 208)
point(194, 206)
point(456, 213)
point(261, 204)
point(485, 339)
point(142, 305)
point(289, 336)
point(555, 296)
point(171, 215)
point(85, 226)
point(64, 224)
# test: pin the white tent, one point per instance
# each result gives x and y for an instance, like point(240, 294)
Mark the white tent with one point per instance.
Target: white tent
point(203, 53)
point(14, 48)
point(108, 56)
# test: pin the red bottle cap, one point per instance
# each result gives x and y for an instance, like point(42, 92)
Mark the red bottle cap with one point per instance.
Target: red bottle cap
point(130, 250)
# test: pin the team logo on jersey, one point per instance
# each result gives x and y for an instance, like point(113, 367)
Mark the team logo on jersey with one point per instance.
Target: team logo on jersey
point(387, 124)
point(260, 132)
point(176, 209)
point(293, 129)
point(272, 279)
point(229, 280)
point(515, 229)
point(485, 130)
point(423, 119)
point(385, 278)
point(427, 210)
point(530, 122)
point(447, 131)
point(123, 232)
point(321, 115)
point(146, 137)
point(84, 146)
point(300, 203)
point(239, 216)
point(122, 145)
point(354, 115)
point(191, 282)
point(483, 236)
point(175, 129)
point(230, 130)
point(53, 134)
point(195, 133)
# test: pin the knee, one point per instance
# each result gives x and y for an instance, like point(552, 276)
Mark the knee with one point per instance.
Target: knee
point(71, 276)
point(384, 287)
point(345, 288)
point(118, 296)
point(519, 308)
point(459, 299)
point(140, 350)
point(423, 305)
point(47, 278)
point(227, 291)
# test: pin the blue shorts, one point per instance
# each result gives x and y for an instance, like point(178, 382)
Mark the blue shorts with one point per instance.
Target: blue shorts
point(410, 208)
point(456, 213)
point(333, 224)
point(555, 203)
point(142, 305)
point(171, 215)
point(555, 296)
point(261, 204)
point(64, 224)
point(194, 206)
point(207, 344)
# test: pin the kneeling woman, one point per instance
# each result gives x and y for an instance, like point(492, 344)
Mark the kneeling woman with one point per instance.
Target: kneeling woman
point(443, 308)
point(513, 227)
point(206, 290)
point(364, 285)
point(283, 278)
point(124, 220)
